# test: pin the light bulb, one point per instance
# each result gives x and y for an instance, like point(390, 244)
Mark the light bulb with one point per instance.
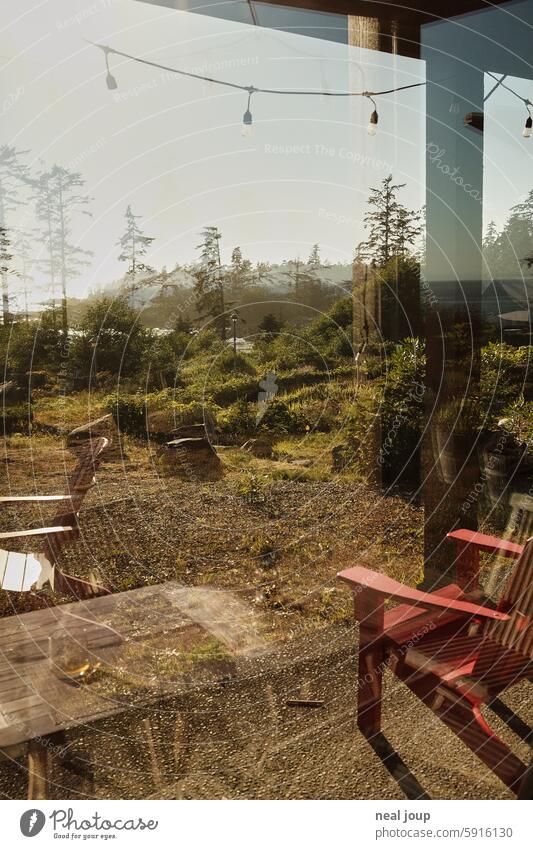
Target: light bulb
point(111, 81)
point(373, 124)
point(247, 124)
point(526, 132)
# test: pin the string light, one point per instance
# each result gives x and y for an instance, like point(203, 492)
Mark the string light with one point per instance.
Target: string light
point(250, 89)
point(526, 132)
point(373, 122)
point(247, 117)
point(110, 79)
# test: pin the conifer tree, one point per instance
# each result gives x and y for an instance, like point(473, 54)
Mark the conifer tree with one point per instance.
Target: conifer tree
point(209, 279)
point(59, 199)
point(13, 179)
point(134, 245)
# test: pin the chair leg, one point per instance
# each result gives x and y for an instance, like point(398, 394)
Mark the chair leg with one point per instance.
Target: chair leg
point(468, 723)
point(370, 613)
point(464, 718)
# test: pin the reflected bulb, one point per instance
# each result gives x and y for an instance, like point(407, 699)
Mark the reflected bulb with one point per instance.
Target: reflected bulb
point(526, 132)
point(373, 124)
point(246, 124)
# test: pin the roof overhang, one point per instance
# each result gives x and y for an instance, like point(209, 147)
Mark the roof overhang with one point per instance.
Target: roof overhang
point(413, 11)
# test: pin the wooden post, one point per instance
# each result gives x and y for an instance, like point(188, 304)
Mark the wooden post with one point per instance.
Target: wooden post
point(363, 32)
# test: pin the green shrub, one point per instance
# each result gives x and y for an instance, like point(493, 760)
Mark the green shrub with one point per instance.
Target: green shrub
point(232, 389)
point(280, 418)
point(237, 422)
point(229, 363)
point(518, 420)
point(506, 375)
point(17, 418)
point(402, 413)
point(129, 413)
point(462, 416)
point(251, 490)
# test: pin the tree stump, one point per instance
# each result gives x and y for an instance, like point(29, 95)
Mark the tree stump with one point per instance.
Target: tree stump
point(191, 459)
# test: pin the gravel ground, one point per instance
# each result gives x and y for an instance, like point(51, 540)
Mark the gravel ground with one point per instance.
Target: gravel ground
point(239, 739)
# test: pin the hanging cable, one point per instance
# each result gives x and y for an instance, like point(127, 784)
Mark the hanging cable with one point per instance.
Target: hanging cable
point(247, 117)
point(526, 132)
point(300, 92)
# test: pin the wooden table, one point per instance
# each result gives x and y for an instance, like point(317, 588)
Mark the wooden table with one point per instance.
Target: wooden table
point(143, 644)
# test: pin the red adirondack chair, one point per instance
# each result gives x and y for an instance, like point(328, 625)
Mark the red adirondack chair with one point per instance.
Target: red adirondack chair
point(20, 570)
point(454, 653)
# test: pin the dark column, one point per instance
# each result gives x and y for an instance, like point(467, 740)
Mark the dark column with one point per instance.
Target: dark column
point(452, 295)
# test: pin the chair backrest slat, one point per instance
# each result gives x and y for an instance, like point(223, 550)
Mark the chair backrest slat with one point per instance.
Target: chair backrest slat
point(517, 600)
point(78, 484)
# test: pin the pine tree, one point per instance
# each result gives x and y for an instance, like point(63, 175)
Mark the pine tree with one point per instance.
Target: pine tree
point(525, 208)
point(295, 274)
point(134, 245)
point(491, 248)
point(524, 211)
point(393, 229)
point(512, 246)
point(314, 260)
point(240, 270)
point(209, 279)
point(6, 269)
point(407, 231)
point(13, 178)
point(58, 199)
point(270, 324)
point(23, 248)
point(262, 272)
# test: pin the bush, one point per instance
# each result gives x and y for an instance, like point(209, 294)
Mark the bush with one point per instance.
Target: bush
point(402, 413)
point(228, 363)
point(232, 389)
point(505, 376)
point(519, 420)
point(129, 413)
point(111, 337)
point(17, 419)
point(237, 422)
point(34, 346)
point(279, 418)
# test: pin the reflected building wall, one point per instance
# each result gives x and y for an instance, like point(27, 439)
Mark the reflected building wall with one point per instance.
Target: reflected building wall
point(457, 55)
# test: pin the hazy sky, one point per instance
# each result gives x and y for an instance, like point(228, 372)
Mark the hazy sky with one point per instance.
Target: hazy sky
point(172, 147)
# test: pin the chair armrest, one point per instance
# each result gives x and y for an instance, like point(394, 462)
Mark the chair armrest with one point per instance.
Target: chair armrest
point(484, 542)
point(360, 578)
point(39, 532)
point(16, 499)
